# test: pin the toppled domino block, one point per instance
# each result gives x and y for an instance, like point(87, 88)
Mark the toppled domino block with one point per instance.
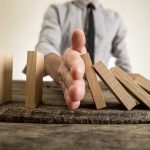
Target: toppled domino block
point(34, 79)
point(93, 82)
point(6, 68)
point(133, 87)
point(122, 95)
point(141, 81)
point(133, 75)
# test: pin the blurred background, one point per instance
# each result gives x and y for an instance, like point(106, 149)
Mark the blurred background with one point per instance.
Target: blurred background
point(20, 23)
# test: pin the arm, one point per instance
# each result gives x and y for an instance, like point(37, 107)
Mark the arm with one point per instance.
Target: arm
point(50, 35)
point(51, 65)
point(119, 49)
point(49, 41)
point(67, 70)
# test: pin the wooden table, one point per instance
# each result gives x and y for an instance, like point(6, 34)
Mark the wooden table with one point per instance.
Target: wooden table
point(53, 126)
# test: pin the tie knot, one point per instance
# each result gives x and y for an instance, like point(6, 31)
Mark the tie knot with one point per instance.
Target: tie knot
point(91, 6)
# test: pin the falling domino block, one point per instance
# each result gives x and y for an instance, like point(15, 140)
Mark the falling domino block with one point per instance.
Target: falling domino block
point(34, 79)
point(141, 81)
point(133, 87)
point(122, 95)
point(133, 75)
point(93, 82)
point(6, 67)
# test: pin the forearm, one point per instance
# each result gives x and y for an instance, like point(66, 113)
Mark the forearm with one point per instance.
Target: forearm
point(51, 65)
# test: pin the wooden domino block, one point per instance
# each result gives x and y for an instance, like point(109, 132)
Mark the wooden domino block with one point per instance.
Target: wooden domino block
point(6, 68)
point(133, 87)
point(34, 79)
point(122, 95)
point(133, 75)
point(93, 82)
point(142, 81)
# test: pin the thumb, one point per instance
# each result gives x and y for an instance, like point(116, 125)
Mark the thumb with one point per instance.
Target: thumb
point(78, 40)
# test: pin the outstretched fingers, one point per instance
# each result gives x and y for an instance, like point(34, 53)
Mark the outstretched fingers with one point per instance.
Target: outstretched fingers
point(72, 71)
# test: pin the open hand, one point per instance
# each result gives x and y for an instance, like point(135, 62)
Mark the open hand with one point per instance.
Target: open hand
point(71, 71)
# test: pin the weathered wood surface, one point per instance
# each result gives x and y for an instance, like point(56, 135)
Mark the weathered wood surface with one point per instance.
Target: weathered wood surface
point(53, 109)
point(74, 137)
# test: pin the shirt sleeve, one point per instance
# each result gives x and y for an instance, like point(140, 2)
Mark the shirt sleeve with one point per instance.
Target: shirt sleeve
point(50, 35)
point(119, 48)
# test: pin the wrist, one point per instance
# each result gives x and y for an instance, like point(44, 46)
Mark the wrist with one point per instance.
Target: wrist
point(51, 65)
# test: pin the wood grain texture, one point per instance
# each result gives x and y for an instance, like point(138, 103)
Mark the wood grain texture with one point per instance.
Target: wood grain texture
point(93, 82)
point(143, 82)
point(6, 69)
point(133, 87)
point(114, 85)
point(74, 137)
point(53, 109)
point(133, 75)
point(34, 79)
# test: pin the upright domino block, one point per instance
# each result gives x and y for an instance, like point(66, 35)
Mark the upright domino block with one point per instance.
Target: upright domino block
point(93, 82)
point(34, 79)
point(142, 81)
point(133, 87)
point(6, 67)
point(114, 85)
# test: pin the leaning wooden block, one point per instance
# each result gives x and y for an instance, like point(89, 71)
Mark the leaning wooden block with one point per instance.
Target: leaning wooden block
point(142, 81)
point(133, 75)
point(93, 82)
point(6, 67)
point(34, 79)
point(133, 87)
point(122, 95)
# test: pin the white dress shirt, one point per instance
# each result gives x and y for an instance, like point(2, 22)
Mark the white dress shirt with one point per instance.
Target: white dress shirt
point(62, 19)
